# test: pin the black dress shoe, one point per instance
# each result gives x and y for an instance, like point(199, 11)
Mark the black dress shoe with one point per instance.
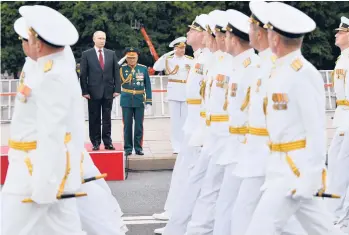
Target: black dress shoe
point(139, 152)
point(109, 147)
point(128, 154)
point(95, 147)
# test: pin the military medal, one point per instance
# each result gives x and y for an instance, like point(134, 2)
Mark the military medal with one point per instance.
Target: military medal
point(23, 93)
point(221, 80)
point(234, 88)
point(259, 83)
point(280, 101)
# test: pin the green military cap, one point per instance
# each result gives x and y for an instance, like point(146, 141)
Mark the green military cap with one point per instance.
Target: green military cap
point(131, 52)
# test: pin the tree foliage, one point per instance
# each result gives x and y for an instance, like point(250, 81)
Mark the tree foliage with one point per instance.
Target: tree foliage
point(164, 21)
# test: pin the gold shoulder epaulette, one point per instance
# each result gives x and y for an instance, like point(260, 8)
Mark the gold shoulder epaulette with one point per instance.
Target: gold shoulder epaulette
point(247, 62)
point(22, 75)
point(124, 64)
point(142, 65)
point(273, 58)
point(338, 59)
point(297, 64)
point(189, 57)
point(48, 66)
point(170, 56)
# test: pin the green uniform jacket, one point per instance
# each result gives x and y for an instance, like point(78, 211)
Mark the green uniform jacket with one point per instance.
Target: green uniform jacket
point(135, 86)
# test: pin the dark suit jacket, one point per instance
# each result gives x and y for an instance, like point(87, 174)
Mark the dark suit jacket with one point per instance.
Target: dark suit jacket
point(96, 82)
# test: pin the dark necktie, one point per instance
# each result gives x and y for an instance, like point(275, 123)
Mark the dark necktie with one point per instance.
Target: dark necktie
point(101, 61)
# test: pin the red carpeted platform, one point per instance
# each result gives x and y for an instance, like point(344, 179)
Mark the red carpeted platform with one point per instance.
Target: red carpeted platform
point(107, 161)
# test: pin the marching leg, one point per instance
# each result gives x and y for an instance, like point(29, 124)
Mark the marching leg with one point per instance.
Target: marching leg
point(175, 117)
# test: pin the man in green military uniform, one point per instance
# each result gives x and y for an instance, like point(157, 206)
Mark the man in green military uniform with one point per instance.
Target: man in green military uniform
point(135, 97)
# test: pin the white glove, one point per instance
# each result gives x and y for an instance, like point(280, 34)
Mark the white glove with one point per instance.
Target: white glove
point(304, 189)
point(148, 108)
point(168, 53)
point(122, 60)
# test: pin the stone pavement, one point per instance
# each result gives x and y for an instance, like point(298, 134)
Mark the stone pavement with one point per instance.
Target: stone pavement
point(157, 144)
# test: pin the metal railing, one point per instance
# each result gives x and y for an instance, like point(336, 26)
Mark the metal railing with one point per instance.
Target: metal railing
point(8, 89)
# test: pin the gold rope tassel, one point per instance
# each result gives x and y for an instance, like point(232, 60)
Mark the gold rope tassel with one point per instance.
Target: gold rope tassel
point(292, 165)
point(168, 70)
point(265, 105)
point(225, 105)
point(67, 172)
point(29, 165)
point(247, 100)
point(324, 186)
point(202, 89)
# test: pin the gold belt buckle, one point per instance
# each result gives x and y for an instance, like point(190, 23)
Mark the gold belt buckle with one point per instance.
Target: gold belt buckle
point(134, 92)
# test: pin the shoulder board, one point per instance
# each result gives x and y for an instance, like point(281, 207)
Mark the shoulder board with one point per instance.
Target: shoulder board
point(247, 62)
point(297, 64)
point(170, 56)
point(48, 66)
point(142, 65)
point(189, 57)
point(124, 64)
point(273, 58)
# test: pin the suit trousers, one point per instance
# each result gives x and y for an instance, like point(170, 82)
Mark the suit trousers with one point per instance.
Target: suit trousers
point(178, 114)
point(94, 115)
point(133, 140)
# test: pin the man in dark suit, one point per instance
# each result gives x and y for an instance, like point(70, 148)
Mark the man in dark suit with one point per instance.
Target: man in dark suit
point(100, 84)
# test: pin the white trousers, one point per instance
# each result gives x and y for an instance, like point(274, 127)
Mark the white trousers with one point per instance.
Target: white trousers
point(185, 203)
point(100, 212)
point(245, 205)
point(178, 114)
point(226, 200)
point(97, 213)
point(338, 165)
point(180, 173)
point(19, 218)
point(203, 215)
point(275, 208)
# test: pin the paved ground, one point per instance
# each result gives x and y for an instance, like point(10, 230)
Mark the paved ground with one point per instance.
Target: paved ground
point(140, 196)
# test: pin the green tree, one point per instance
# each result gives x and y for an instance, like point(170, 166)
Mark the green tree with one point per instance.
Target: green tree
point(164, 21)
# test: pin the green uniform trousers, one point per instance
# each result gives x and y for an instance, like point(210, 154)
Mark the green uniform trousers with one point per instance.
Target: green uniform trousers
point(135, 141)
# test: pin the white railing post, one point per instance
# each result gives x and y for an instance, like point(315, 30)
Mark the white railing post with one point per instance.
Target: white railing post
point(9, 110)
point(162, 97)
point(328, 89)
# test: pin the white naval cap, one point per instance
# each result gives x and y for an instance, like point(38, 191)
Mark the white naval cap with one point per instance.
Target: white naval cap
point(259, 14)
point(288, 21)
point(219, 20)
point(238, 24)
point(344, 25)
point(178, 42)
point(21, 28)
point(49, 25)
point(199, 24)
point(210, 26)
